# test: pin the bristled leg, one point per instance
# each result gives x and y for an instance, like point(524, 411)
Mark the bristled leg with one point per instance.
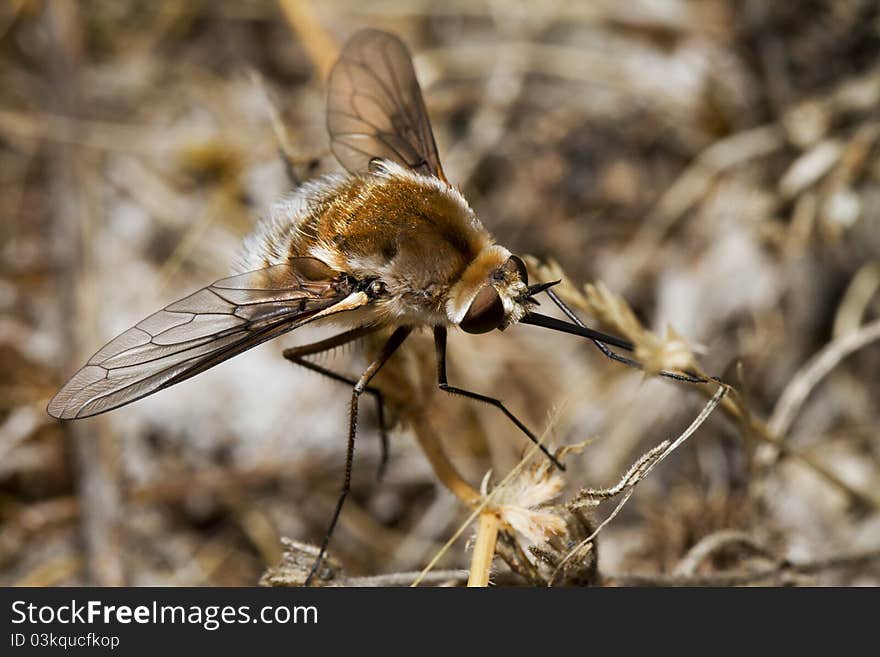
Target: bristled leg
point(396, 339)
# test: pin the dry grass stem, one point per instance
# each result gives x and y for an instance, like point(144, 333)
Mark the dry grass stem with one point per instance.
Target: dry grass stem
point(637, 473)
point(716, 542)
point(485, 502)
point(484, 549)
point(778, 574)
point(816, 369)
point(862, 288)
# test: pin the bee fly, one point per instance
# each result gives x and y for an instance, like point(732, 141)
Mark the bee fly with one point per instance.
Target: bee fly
point(391, 246)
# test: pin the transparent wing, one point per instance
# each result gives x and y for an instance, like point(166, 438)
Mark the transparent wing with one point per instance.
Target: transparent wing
point(375, 107)
point(202, 330)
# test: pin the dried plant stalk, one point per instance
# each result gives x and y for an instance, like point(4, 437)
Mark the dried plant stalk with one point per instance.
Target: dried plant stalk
point(813, 371)
point(317, 42)
point(442, 466)
point(634, 475)
point(484, 504)
point(484, 549)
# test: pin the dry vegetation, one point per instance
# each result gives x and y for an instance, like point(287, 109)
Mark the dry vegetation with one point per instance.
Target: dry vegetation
point(711, 167)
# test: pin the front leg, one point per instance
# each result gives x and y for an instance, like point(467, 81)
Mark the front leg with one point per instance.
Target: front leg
point(440, 347)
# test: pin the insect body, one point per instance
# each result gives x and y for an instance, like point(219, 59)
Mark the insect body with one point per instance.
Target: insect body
point(392, 246)
point(413, 233)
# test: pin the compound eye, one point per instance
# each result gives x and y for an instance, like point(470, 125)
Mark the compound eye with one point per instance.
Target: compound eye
point(486, 312)
point(515, 265)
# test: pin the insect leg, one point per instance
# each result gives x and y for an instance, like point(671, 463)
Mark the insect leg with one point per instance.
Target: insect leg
point(440, 347)
point(329, 343)
point(623, 359)
point(400, 334)
point(298, 355)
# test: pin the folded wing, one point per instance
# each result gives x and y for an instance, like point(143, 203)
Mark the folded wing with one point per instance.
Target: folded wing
point(202, 330)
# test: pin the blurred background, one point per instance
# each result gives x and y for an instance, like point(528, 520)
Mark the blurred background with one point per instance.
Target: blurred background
point(713, 162)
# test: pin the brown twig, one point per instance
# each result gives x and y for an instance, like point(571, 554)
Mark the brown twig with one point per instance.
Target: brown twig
point(297, 559)
point(777, 573)
point(633, 476)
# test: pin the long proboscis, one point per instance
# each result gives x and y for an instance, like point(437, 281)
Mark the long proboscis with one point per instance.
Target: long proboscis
point(601, 340)
point(537, 319)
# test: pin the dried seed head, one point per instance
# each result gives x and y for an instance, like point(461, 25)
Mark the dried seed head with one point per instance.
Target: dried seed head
point(671, 352)
point(655, 353)
point(522, 504)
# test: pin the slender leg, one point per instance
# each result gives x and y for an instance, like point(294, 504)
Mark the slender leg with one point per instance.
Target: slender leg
point(298, 355)
point(440, 346)
point(623, 359)
point(396, 339)
point(331, 342)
